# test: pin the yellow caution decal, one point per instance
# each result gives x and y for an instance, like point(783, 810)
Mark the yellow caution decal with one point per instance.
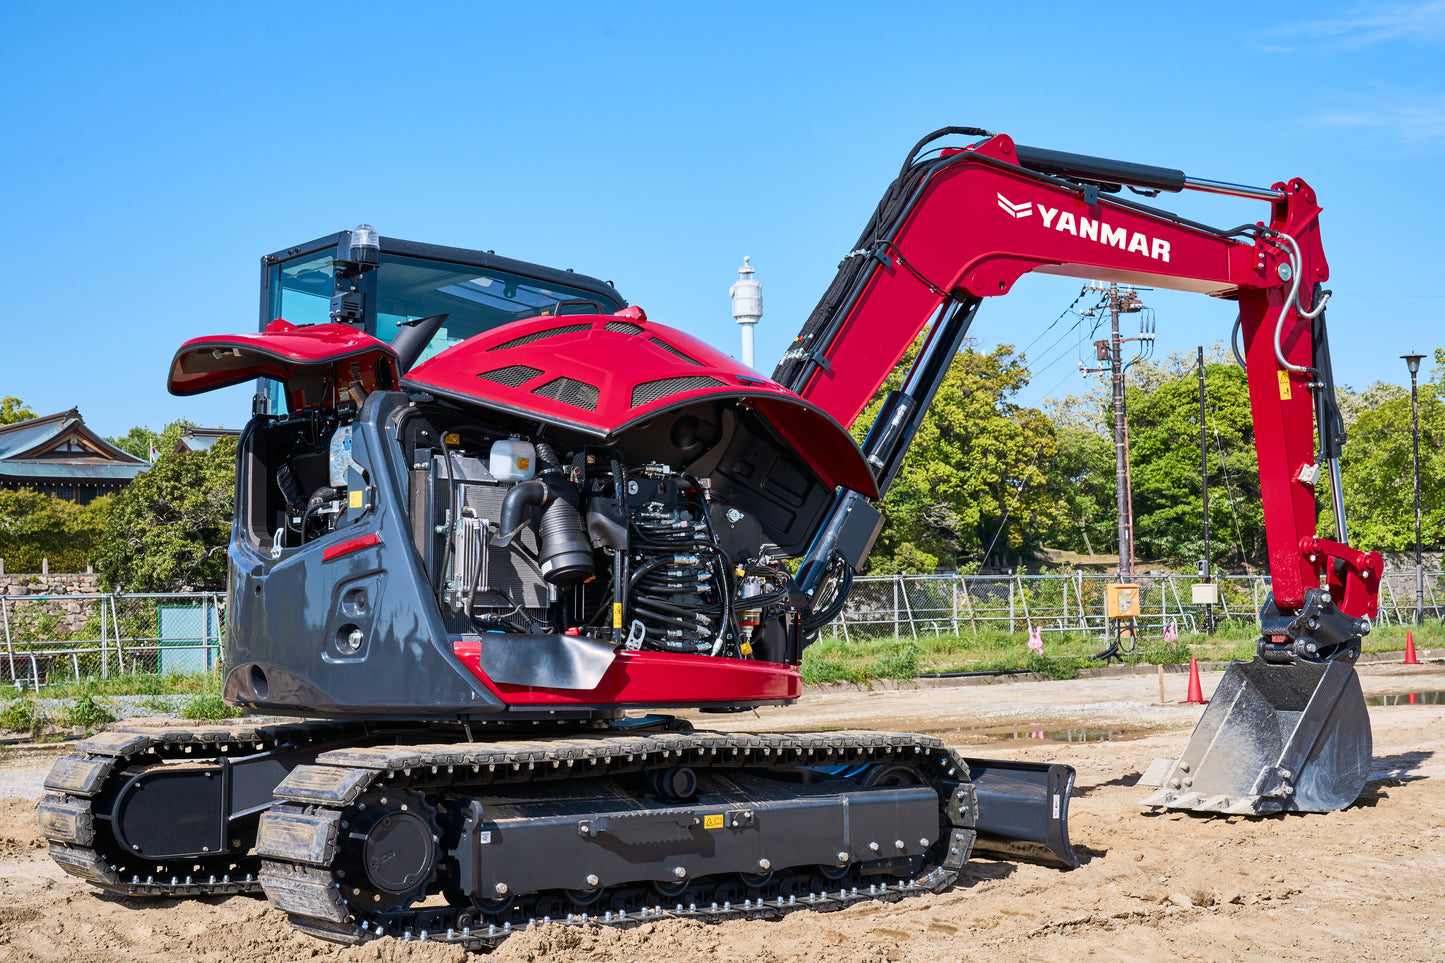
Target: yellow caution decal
point(1284, 386)
point(712, 821)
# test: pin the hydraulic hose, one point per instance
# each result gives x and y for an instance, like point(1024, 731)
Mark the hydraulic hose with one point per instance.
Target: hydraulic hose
point(844, 585)
point(619, 555)
point(1292, 300)
point(451, 515)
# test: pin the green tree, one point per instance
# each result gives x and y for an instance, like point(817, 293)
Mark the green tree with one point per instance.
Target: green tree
point(973, 476)
point(1081, 479)
point(1378, 472)
point(1164, 458)
point(169, 529)
point(35, 527)
point(12, 409)
point(138, 441)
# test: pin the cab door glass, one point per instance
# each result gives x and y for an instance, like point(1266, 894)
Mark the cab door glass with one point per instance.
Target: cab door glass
point(475, 299)
point(303, 295)
point(300, 290)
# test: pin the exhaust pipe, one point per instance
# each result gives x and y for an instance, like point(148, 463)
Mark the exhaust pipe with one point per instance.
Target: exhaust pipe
point(413, 337)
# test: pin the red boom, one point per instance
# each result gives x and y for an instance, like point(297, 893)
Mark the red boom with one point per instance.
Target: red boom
point(981, 221)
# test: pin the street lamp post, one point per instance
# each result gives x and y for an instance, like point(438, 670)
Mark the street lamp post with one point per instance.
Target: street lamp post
point(1413, 360)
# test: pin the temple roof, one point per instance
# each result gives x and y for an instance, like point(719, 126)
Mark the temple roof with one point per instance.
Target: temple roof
point(60, 447)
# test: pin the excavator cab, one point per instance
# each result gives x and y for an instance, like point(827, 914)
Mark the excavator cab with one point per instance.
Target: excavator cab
point(379, 285)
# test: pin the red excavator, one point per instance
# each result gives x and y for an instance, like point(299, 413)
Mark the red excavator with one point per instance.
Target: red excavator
point(491, 523)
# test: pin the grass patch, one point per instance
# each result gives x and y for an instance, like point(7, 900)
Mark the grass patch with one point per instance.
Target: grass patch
point(22, 715)
point(158, 705)
point(863, 659)
point(208, 707)
point(87, 713)
point(1065, 655)
point(900, 662)
point(144, 684)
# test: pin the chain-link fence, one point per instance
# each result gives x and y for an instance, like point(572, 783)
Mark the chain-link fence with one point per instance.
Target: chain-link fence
point(51, 639)
point(913, 605)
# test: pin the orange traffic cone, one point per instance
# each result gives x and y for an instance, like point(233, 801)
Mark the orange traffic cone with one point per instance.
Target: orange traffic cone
point(1410, 648)
point(1196, 694)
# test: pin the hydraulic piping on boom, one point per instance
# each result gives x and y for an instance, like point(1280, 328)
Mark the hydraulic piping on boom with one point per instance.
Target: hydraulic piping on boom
point(960, 225)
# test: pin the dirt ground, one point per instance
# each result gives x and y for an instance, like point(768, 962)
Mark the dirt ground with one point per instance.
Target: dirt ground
point(1364, 884)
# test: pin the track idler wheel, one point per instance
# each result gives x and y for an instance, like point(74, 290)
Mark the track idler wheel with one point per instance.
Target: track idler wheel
point(389, 855)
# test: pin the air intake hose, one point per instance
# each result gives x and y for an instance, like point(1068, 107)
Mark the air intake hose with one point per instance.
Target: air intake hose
point(564, 553)
point(523, 497)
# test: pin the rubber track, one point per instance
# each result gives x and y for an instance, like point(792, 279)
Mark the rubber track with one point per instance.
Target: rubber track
point(299, 837)
point(76, 781)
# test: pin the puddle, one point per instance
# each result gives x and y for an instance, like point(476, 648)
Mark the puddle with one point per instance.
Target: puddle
point(1040, 734)
point(1435, 698)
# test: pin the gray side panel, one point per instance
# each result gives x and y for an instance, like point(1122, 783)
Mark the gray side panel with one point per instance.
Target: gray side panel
point(287, 615)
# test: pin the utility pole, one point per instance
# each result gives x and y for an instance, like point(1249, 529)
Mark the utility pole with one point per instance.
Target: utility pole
point(1123, 300)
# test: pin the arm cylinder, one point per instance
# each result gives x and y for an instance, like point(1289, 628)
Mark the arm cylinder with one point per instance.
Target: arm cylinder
point(1100, 169)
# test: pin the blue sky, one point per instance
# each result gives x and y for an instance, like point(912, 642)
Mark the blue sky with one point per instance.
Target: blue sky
point(152, 153)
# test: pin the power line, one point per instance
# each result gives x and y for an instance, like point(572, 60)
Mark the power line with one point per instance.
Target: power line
point(1078, 321)
point(1062, 314)
point(1023, 482)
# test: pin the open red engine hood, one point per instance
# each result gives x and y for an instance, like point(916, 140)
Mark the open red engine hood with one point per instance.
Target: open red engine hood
point(604, 374)
point(598, 374)
point(282, 352)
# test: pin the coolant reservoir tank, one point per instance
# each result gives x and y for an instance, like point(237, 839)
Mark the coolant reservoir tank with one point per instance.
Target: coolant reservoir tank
point(513, 460)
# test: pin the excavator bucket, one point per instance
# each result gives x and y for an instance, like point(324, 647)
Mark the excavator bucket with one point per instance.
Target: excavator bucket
point(1275, 738)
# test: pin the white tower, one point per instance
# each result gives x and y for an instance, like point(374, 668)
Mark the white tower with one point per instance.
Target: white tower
point(747, 297)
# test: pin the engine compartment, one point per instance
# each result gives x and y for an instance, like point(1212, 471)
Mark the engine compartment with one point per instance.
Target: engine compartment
point(532, 533)
point(561, 515)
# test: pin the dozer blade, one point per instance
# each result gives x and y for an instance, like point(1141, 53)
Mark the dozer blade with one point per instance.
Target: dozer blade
point(1023, 810)
point(1275, 738)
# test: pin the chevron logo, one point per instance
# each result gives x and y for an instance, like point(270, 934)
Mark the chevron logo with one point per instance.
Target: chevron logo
point(1015, 210)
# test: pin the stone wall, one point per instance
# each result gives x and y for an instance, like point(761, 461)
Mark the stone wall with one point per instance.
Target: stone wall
point(32, 584)
point(24, 609)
